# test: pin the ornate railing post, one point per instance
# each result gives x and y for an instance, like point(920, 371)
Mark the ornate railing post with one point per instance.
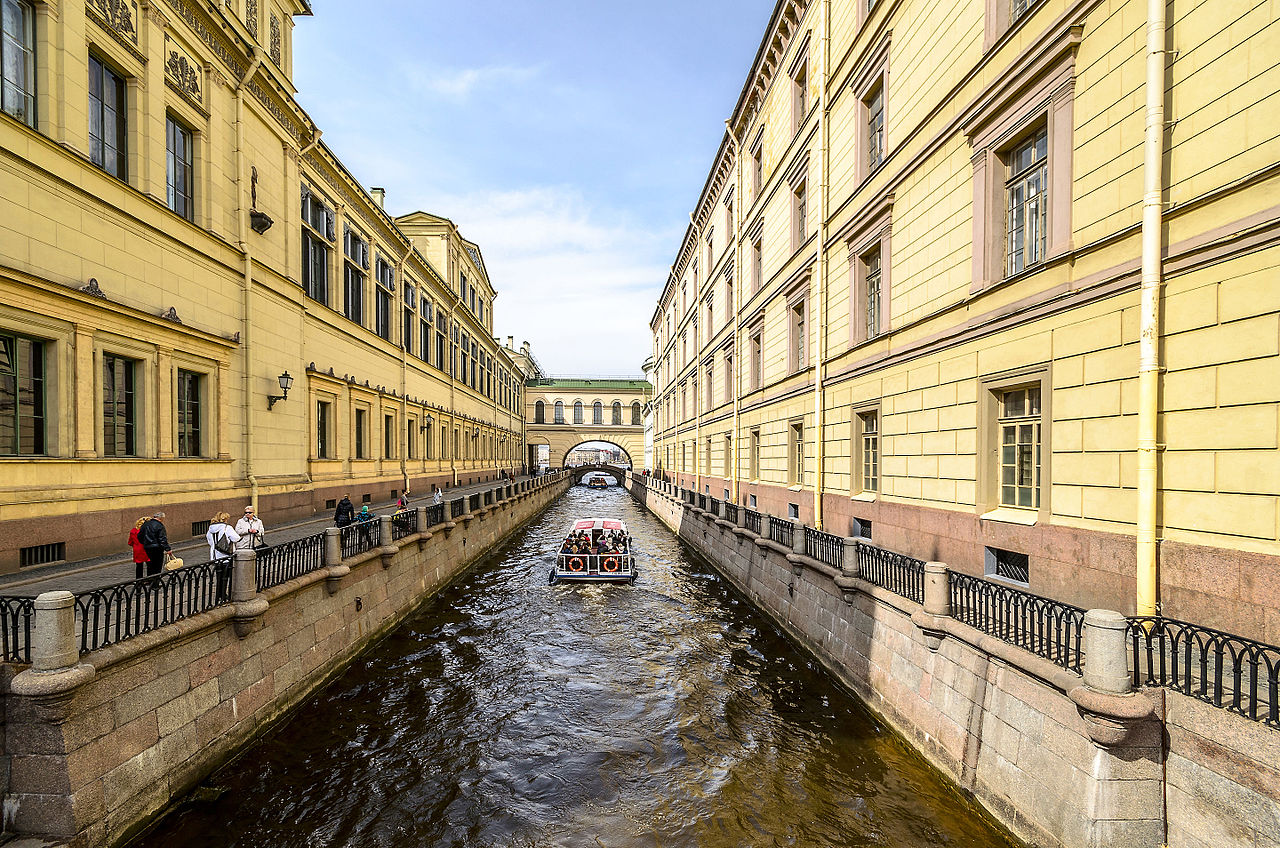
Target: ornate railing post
point(742, 516)
point(333, 560)
point(55, 671)
point(249, 605)
point(850, 569)
point(936, 604)
point(1106, 663)
point(388, 548)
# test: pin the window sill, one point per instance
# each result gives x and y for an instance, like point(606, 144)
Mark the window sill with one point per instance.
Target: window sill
point(865, 497)
point(795, 487)
point(1012, 515)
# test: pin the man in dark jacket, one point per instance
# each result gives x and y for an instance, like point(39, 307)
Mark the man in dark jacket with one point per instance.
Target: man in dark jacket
point(155, 541)
point(345, 513)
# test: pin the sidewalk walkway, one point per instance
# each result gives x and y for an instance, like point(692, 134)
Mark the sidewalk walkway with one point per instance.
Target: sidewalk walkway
point(83, 575)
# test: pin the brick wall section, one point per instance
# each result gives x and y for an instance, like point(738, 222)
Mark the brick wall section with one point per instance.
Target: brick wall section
point(165, 709)
point(997, 722)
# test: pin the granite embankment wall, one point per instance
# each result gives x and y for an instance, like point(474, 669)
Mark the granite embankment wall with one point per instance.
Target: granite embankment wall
point(98, 748)
point(1061, 763)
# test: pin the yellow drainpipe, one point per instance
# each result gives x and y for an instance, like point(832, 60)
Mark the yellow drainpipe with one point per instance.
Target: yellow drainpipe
point(1149, 314)
point(819, 406)
point(242, 221)
point(737, 307)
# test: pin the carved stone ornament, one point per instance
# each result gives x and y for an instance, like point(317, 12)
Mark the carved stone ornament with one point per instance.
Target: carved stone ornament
point(120, 15)
point(92, 288)
point(171, 314)
point(183, 73)
point(275, 39)
point(251, 16)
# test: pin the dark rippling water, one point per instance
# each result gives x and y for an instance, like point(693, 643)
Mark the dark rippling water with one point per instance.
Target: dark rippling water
point(508, 712)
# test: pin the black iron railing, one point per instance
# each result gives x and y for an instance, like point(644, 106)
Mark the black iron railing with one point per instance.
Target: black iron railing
point(114, 613)
point(824, 547)
point(1228, 671)
point(899, 573)
point(360, 537)
point(488, 497)
point(754, 522)
point(475, 502)
point(1046, 628)
point(435, 514)
point(457, 506)
point(282, 563)
point(713, 506)
point(16, 618)
point(731, 512)
point(781, 530)
point(404, 523)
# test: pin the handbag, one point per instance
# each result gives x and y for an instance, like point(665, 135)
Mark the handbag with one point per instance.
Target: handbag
point(173, 563)
point(223, 545)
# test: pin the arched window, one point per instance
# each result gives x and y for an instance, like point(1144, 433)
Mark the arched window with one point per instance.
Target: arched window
point(577, 412)
point(617, 412)
point(539, 413)
point(635, 413)
point(559, 412)
point(597, 413)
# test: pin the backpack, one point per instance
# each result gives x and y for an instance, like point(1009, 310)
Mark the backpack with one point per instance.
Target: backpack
point(222, 544)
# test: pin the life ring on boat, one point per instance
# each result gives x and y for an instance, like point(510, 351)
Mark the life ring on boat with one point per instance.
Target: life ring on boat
point(610, 564)
point(575, 564)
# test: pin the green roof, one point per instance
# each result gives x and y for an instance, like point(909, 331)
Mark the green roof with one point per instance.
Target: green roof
point(589, 383)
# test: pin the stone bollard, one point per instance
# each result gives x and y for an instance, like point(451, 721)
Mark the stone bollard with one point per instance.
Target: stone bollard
point(53, 638)
point(850, 569)
point(56, 672)
point(249, 605)
point(1106, 664)
point(466, 506)
point(742, 516)
point(797, 536)
point(937, 604)
point(333, 560)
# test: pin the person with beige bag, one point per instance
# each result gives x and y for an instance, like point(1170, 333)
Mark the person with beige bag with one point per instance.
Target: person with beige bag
point(155, 541)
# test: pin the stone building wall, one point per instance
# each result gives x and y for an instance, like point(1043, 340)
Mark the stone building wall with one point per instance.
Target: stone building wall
point(1007, 726)
point(157, 713)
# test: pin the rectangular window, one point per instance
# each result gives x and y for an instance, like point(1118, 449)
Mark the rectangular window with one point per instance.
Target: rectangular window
point(871, 304)
point(709, 383)
point(1018, 8)
point(178, 169)
point(18, 60)
point(107, 119)
point(1009, 565)
point(757, 265)
point(22, 396)
point(753, 457)
point(800, 214)
point(356, 249)
point(728, 377)
point(361, 432)
point(757, 360)
point(1027, 201)
point(728, 457)
point(424, 340)
point(188, 413)
point(119, 410)
point(382, 313)
point(317, 234)
point(706, 459)
point(875, 129)
point(428, 449)
point(799, 337)
point(322, 430)
point(1019, 427)
point(406, 329)
point(757, 167)
point(442, 341)
point(795, 453)
point(800, 93)
point(388, 436)
point(869, 423)
point(411, 439)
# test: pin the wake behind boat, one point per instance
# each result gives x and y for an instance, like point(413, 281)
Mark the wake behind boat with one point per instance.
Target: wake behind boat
point(596, 550)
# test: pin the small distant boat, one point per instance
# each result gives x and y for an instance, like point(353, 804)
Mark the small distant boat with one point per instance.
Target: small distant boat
point(595, 550)
point(597, 483)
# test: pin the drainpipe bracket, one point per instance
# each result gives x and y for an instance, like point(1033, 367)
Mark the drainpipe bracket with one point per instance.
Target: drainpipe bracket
point(333, 579)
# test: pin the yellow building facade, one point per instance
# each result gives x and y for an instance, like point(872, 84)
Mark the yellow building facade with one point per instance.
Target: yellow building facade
point(948, 288)
point(175, 238)
point(565, 412)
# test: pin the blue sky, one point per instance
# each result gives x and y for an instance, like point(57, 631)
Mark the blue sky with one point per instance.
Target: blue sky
point(568, 138)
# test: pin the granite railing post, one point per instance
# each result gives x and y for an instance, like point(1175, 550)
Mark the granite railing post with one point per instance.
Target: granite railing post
point(850, 569)
point(249, 605)
point(797, 536)
point(742, 516)
point(937, 604)
point(333, 560)
point(56, 672)
point(388, 548)
point(1106, 661)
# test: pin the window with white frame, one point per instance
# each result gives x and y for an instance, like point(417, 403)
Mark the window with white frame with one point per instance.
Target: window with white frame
point(108, 119)
point(868, 443)
point(875, 128)
point(871, 294)
point(1027, 202)
point(317, 238)
point(1019, 438)
point(18, 60)
point(799, 91)
point(795, 452)
point(179, 167)
point(356, 266)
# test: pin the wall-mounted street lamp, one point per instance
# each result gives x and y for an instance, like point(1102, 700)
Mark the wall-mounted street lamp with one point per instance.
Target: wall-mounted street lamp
point(285, 382)
point(475, 434)
point(426, 424)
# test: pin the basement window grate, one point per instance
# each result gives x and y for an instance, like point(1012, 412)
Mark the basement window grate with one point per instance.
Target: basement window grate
point(332, 503)
point(862, 529)
point(42, 554)
point(199, 528)
point(366, 498)
point(1008, 565)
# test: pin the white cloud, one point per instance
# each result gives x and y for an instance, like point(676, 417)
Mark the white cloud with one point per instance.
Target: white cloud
point(578, 283)
point(460, 83)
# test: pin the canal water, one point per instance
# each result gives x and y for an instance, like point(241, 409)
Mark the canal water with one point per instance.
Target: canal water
point(511, 712)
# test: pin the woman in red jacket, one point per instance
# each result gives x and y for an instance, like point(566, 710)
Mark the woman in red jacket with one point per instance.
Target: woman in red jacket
point(140, 557)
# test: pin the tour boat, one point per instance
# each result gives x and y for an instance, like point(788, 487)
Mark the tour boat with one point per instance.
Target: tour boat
point(597, 483)
point(595, 550)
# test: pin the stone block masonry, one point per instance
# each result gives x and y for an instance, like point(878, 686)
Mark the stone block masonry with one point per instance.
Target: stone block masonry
point(98, 744)
point(1064, 760)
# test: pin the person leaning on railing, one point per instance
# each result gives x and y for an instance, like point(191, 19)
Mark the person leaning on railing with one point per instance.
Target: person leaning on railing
point(220, 530)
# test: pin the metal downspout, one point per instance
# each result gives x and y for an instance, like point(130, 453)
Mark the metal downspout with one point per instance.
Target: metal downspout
point(819, 407)
point(404, 379)
point(697, 362)
point(242, 221)
point(736, 306)
point(1149, 314)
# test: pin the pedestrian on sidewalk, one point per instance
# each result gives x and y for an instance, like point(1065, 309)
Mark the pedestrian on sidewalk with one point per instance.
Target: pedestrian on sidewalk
point(155, 541)
point(251, 530)
point(139, 553)
point(345, 513)
point(437, 497)
point(401, 503)
point(222, 537)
